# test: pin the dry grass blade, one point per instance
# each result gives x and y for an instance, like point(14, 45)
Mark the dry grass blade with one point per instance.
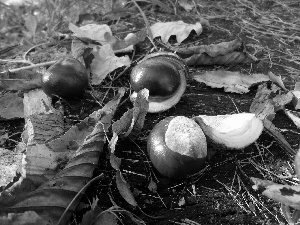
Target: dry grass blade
point(146, 23)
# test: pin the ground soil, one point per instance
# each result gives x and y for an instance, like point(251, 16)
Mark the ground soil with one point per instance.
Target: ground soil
point(222, 193)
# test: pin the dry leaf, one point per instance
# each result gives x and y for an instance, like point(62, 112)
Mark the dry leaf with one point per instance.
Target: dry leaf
point(22, 80)
point(297, 163)
point(178, 28)
point(30, 24)
point(115, 162)
point(135, 38)
point(230, 58)
point(55, 195)
point(40, 128)
point(36, 102)
point(286, 194)
point(152, 186)
point(132, 121)
point(267, 101)
point(275, 132)
point(181, 202)
point(105, 62)
point(186, 4)
point(11, 106)
point(296, 99)
point(231, 81)
point(162, 5)
point(26, 218)
point(96, 216)
point(277, 80)
point(294, 116)
point(10, 165)
point(91, 31)
point(106, 218)
point(211, 50)
point(124, 189)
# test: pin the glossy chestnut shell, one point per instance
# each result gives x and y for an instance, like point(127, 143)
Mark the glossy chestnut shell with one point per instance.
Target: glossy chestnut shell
point(66, 78)
point(164, 75)
point(177, 147)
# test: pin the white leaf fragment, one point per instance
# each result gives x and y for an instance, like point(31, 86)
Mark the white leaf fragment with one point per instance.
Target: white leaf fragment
point(234, 131)
point(178, 28)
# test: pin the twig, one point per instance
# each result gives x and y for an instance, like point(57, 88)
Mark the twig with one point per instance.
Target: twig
point(76, 196)
point(150, 35)
point(31, 67)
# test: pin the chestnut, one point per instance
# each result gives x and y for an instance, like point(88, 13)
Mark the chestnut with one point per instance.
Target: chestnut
point(66, 78)
point(177, 147)
point(164, 75)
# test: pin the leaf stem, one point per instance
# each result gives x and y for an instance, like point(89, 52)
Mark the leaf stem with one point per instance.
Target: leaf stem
point(76, 196)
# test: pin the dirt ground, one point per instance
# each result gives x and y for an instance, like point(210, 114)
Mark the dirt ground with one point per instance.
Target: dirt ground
point(222, 193)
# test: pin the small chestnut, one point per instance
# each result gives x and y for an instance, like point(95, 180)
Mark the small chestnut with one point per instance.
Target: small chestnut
point(66, 78)
point(164, 75)
point(177, 147)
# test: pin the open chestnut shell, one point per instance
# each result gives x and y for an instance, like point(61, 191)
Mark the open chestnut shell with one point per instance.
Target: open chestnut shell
point(164, 75)
point(177, 147)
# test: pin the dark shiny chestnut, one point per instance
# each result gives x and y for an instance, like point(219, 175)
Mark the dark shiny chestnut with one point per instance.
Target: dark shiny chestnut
point(177, 147)
point(66, 78)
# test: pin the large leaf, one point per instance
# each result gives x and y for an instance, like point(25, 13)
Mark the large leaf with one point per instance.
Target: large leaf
point(105, 62)
point(60, 195)
point(231, 81)
point(211, 50)
point(203, 59)
point(178, 28)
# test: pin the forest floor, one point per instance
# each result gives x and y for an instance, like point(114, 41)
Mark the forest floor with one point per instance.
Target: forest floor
point(222, 193)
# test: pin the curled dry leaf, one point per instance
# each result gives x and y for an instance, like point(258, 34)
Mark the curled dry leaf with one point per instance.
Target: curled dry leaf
point(178, 28)
point(286, 194)
point(267, 101)
point(234, 131)
point(215, 54)
point(133, 120)
point(211, 50)
point(131, 123)
point(231, 81)
point(228, 59)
